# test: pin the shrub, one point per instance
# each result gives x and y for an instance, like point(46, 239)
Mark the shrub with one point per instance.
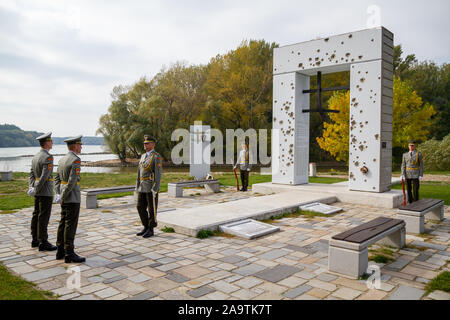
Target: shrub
point(436, 154)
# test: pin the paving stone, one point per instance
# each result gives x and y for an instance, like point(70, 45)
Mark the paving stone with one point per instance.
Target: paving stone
point(250, 269)
point(244, 294)
point(192, 271)
point(321, 285)
point(346, 293)
point(106, 293)
point(372, 295)
point(420, 272)
point(139, 278)
point(117, 264)
point(232, 259)
point(114, 279)
point(326, 277)
point(404, 292)
point(423, 257)
point(293, 293)
point(91, 288)
point(177, 278)
point(439, 295)
point(305, 275)
point(398, 264)
point(224, 286)
point(197, 293)
point(274, 254)
point(44, 274)
point(277, 273)
point(97, 261)
point(429, 245)
point(143, 296)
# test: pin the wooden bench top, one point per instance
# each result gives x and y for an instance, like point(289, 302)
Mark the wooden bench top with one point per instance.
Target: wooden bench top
point(194, 182)
point(421, 205)
point(367, 230)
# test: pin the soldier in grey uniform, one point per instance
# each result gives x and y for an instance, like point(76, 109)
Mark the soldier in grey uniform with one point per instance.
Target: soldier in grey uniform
point(245, 166)
point(412, 170)
point(40, 185)
point(148, 186)
point(67, 187)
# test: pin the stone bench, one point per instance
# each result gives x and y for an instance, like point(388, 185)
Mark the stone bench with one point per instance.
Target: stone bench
point(175, 189)
point(348, 253)
point(414, 214)
point(89, 196)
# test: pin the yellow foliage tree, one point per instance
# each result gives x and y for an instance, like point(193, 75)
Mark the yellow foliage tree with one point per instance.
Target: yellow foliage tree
point(335, 134)
point(411, 120)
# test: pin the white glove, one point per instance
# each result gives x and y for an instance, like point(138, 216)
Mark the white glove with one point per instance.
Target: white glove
point(31, 191)
point(420, 178)
point(234, 167)
point(57, 198)
point(154, 192)
point(248, 169)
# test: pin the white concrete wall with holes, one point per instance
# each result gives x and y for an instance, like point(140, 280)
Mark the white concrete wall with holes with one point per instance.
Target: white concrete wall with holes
point(368, 54)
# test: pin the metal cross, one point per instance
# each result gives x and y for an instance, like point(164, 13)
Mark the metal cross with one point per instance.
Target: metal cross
point(198, 133)
point(319, 91)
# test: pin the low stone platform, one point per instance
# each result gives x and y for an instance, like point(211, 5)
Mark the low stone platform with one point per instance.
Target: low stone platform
point(390, 199)
point(190, 221)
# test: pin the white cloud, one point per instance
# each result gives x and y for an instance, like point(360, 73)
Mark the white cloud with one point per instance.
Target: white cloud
point(64, 57)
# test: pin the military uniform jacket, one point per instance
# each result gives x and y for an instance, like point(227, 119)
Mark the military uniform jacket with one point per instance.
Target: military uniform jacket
point(149, 172)
point(243, 160)
point(412, 166)
point(41, 174)
point(67, 178)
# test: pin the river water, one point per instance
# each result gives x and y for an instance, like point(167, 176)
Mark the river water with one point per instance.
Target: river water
point(19, 159)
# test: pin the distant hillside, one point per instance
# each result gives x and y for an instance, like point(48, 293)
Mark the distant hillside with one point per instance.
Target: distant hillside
point(13, 136)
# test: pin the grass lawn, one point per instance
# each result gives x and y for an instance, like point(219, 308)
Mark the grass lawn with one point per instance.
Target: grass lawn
point(13, 193)
point(15, 288)
point(432, 189)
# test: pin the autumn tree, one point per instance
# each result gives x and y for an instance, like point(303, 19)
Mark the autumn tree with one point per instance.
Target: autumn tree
point(411, 120)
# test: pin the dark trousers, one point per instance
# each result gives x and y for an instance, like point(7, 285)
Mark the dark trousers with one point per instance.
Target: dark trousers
point(68, 225)
point(40, 217)
point(244, 179)
point(412, 185)
point(145, 209)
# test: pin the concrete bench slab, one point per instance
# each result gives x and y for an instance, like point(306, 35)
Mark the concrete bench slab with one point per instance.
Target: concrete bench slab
point(175, 189)
point(348, 253)
point(89, 196)
point(414, 214)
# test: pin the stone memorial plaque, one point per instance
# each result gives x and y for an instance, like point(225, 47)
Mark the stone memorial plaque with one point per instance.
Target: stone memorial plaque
point(321, 208)
point(199, 158)
point(248, 228)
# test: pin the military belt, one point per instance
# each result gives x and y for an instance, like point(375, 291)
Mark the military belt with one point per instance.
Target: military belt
point(49, 179)
point(409, 168)
point(146, 178)
point(66, 182)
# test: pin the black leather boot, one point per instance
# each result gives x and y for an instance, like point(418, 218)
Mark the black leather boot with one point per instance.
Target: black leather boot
point(61, 253)
point(35, 243)
point(148, 233)
point(71, 256)
point(46, 246)
point(142, 232)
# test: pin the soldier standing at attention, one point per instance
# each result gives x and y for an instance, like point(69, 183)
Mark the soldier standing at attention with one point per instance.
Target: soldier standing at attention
point(412, 170)
point(245, 166)
point(148, 186)
point(41, 187)
point(67, 186)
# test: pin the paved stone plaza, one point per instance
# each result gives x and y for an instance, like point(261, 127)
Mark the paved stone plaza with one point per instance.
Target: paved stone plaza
point(290, 264)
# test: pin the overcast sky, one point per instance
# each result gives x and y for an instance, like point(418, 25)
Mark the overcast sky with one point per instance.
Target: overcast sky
point(59, 60)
